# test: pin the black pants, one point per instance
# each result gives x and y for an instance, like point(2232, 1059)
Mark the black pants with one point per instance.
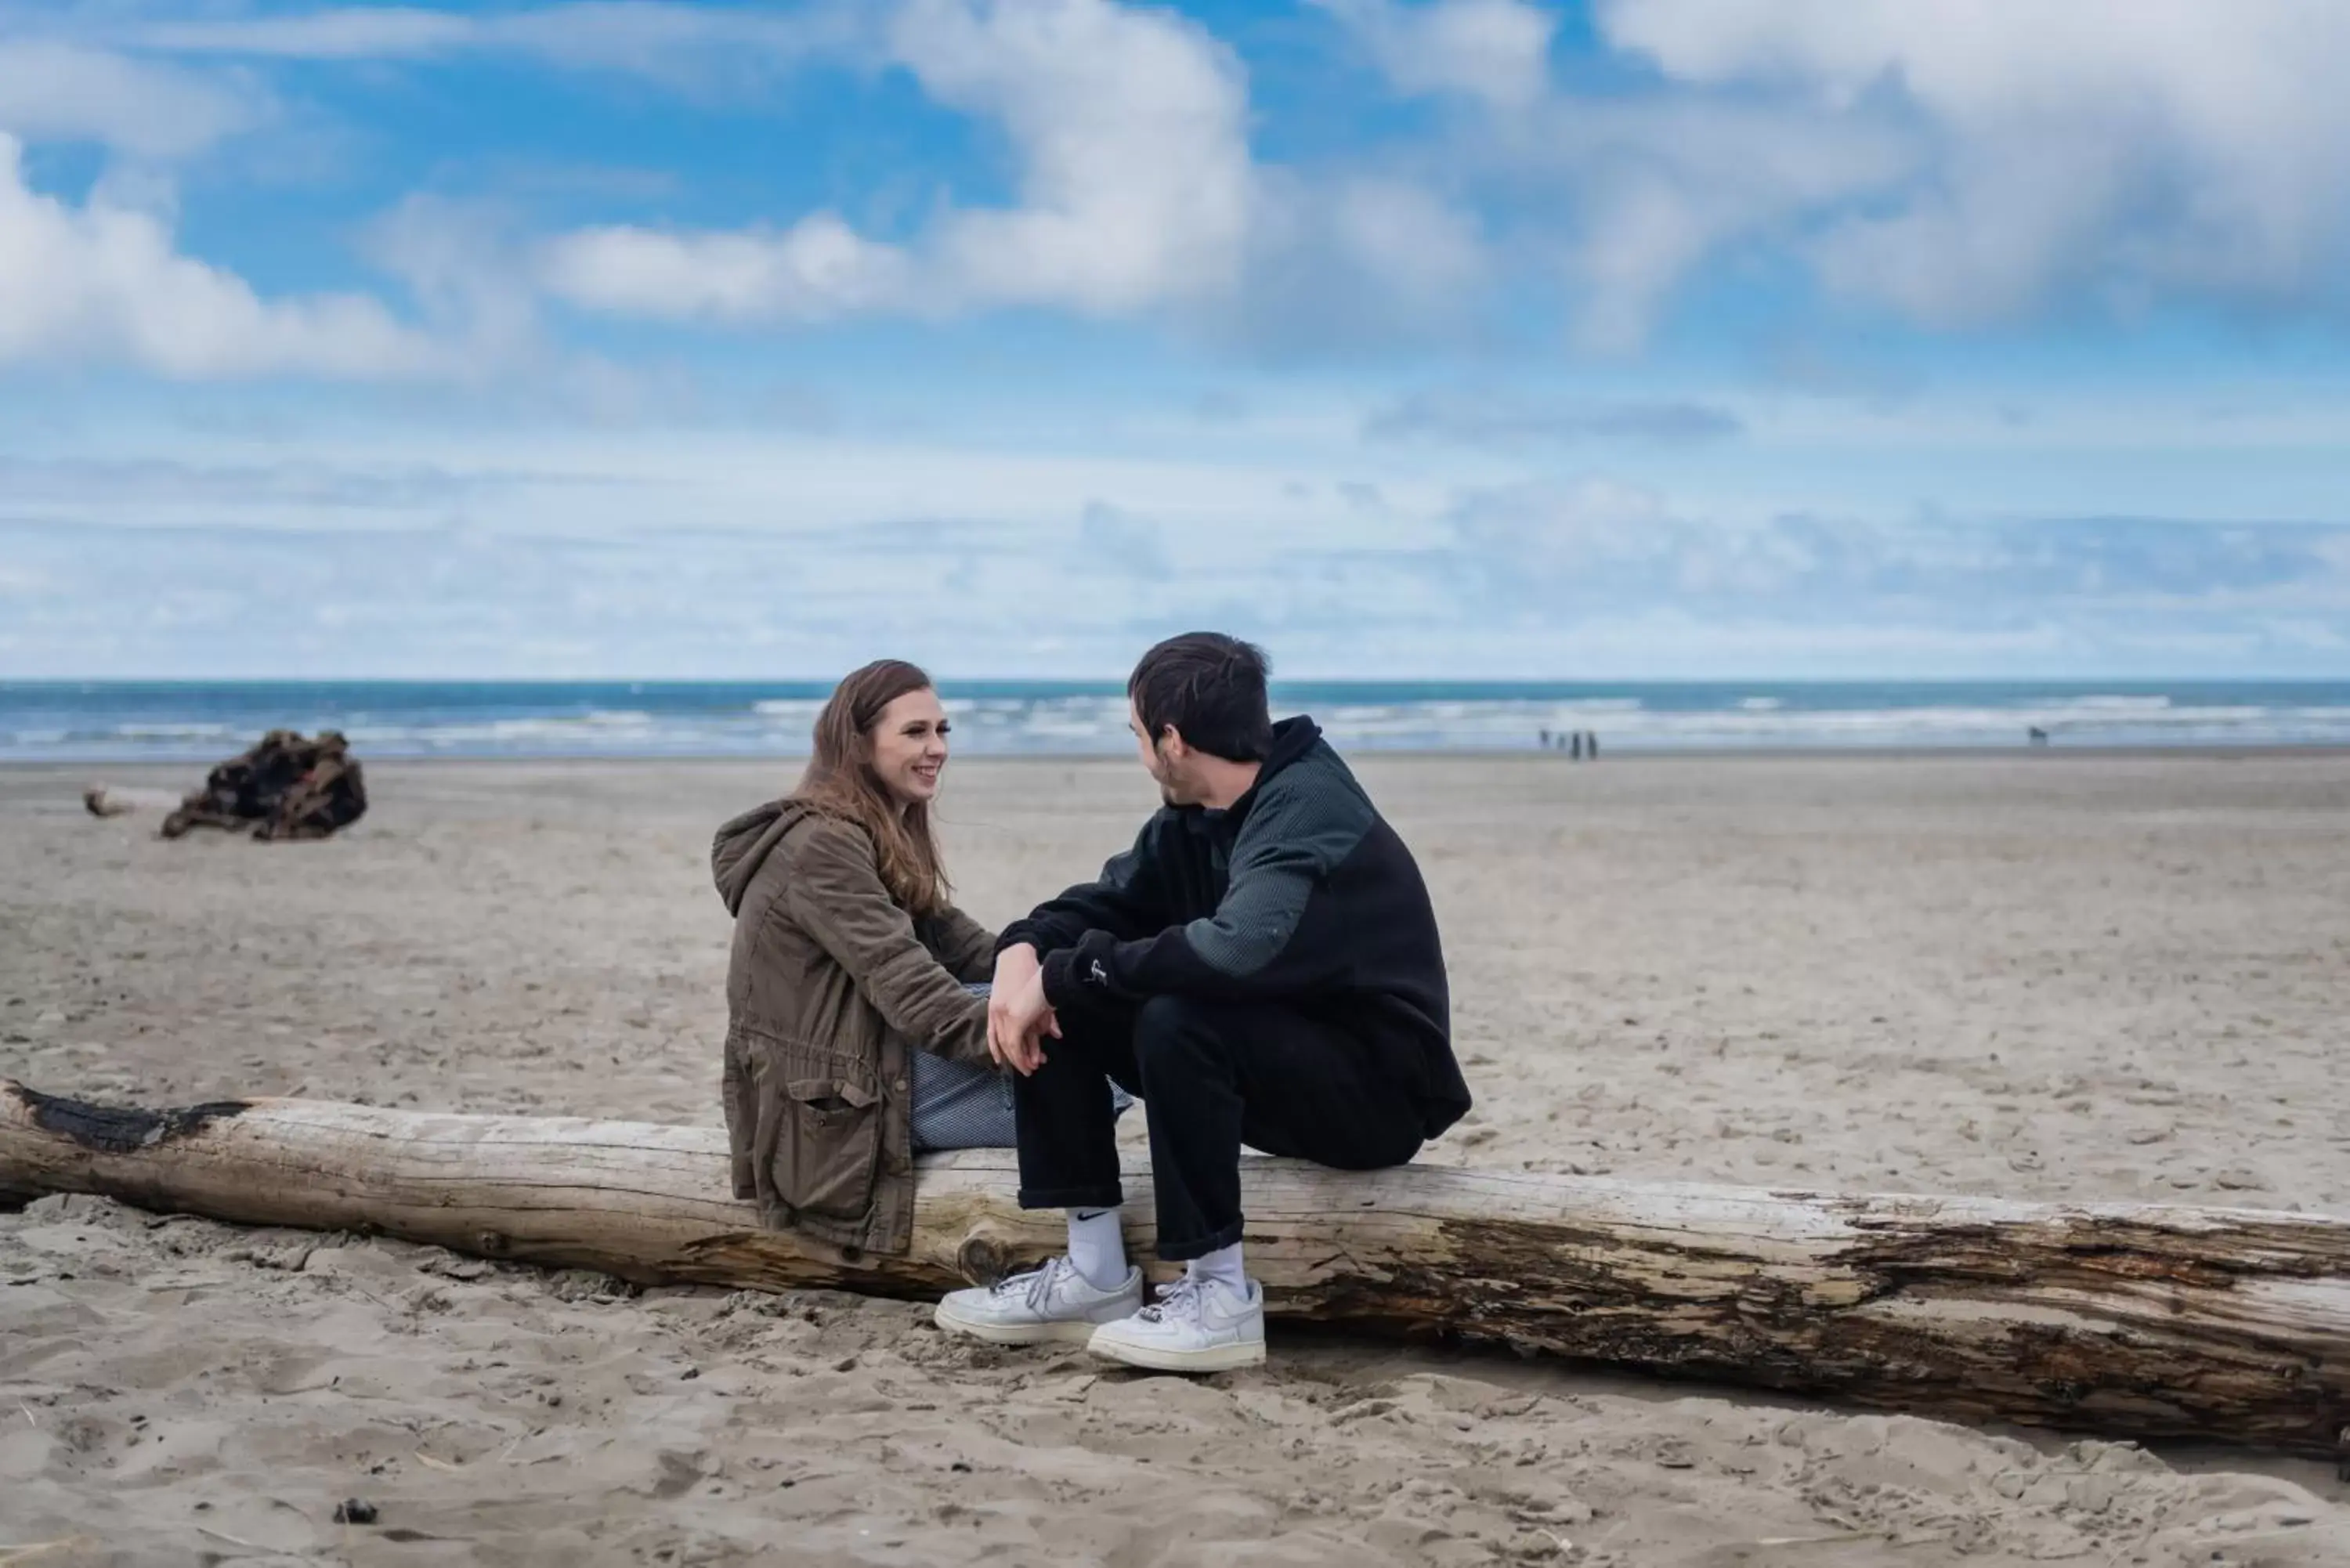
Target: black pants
point(1213, 1076)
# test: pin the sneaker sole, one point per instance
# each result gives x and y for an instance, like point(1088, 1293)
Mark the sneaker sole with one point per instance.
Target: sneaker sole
point(1151, 1358)
point(1073, 1333)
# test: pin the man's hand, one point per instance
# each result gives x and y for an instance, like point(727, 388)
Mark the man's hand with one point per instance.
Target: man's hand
point(1016, 1009)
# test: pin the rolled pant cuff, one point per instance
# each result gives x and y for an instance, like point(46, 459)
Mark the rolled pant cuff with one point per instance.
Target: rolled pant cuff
point(1184, 1251)
point(1111, 1195)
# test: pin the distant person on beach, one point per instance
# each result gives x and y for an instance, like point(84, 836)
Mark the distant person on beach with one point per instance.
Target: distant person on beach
point(1263, 968)
point(855, 1037)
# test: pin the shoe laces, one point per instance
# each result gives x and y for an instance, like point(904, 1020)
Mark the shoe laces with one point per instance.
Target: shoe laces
point(1178, 1299)
point(1037, 1284)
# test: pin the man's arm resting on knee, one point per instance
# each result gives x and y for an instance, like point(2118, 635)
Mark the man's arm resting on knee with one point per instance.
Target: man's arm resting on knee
point(1245, 950)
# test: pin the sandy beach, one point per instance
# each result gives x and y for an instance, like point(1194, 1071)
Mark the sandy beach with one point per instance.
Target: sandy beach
point(2052, 976)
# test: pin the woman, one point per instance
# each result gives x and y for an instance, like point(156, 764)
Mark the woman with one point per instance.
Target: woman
point(855, 1037)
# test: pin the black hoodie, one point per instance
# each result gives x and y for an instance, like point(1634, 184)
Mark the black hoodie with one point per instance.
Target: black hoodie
point(1299, 892)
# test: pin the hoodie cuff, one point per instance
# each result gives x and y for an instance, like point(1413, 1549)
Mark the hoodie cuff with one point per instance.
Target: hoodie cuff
point(1017, 936)
point(1060, 981)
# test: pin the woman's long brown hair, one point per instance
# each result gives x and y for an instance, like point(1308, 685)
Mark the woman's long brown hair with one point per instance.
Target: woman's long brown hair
point(840, 782)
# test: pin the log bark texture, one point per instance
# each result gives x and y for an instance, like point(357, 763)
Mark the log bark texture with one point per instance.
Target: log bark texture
point(2131, 1320)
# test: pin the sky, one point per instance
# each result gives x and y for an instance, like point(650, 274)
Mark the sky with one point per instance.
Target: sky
point(1634, 339)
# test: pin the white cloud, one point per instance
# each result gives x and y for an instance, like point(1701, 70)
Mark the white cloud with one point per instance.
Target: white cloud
point(682, 44)
point(1408, 239)
point(1629, 191)
point(1601, 546)
point(686, 46)
point(384, 32)
point(1531, 539)
point(468, 272)
point(1966, 162)
point(1134, 180)
point(1130, 128)
point(1655, 187)
point(52, 91)
point(103, 281)
point(1495, 418)
point(2228, 73)
point(2131, 148)
point(1497, 51)
point(1343, 259)
point(816, 270)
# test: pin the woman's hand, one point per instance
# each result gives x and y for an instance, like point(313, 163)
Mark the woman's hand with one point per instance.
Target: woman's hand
point(1031, 1019)
point(1018, 1016)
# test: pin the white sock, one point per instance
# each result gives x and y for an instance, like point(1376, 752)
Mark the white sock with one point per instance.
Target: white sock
point(1097, 1248)
point(1223, 1265)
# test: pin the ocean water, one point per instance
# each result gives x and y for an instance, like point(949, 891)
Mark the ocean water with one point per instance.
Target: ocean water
point(133, 721)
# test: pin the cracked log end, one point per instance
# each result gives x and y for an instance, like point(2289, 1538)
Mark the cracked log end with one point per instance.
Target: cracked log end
point(111, 1129)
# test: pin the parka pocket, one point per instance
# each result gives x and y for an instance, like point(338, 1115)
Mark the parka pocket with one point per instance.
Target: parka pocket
point(830, 1160)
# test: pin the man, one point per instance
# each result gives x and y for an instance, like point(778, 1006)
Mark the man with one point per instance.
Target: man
point(1262, 968)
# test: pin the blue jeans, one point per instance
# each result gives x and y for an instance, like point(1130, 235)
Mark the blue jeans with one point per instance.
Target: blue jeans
point(960, 1104)
point(968, 1104)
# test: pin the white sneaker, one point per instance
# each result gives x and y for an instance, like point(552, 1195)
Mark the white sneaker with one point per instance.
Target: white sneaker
point(1053, 1304)
point(1196, 1326)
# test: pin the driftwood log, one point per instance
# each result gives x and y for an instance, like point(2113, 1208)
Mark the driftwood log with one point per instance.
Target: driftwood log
point(119, 800)
point(2132, 1320)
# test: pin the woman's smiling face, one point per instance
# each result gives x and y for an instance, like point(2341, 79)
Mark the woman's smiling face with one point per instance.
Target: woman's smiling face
point(910, 747)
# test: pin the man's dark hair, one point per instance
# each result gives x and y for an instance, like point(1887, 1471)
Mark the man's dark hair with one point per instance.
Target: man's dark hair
point(1211, 688)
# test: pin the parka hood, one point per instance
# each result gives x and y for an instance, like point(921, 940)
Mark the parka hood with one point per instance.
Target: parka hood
point(742, 845)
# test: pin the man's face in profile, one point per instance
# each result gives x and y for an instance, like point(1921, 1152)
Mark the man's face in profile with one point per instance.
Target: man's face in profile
point(1164, 770)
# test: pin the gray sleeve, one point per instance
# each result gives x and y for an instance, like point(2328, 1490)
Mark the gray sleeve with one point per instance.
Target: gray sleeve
point(1289, 848)
point(1295, 836)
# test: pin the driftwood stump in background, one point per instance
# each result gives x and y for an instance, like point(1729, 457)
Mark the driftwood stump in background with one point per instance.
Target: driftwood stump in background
point(2133, 1320)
